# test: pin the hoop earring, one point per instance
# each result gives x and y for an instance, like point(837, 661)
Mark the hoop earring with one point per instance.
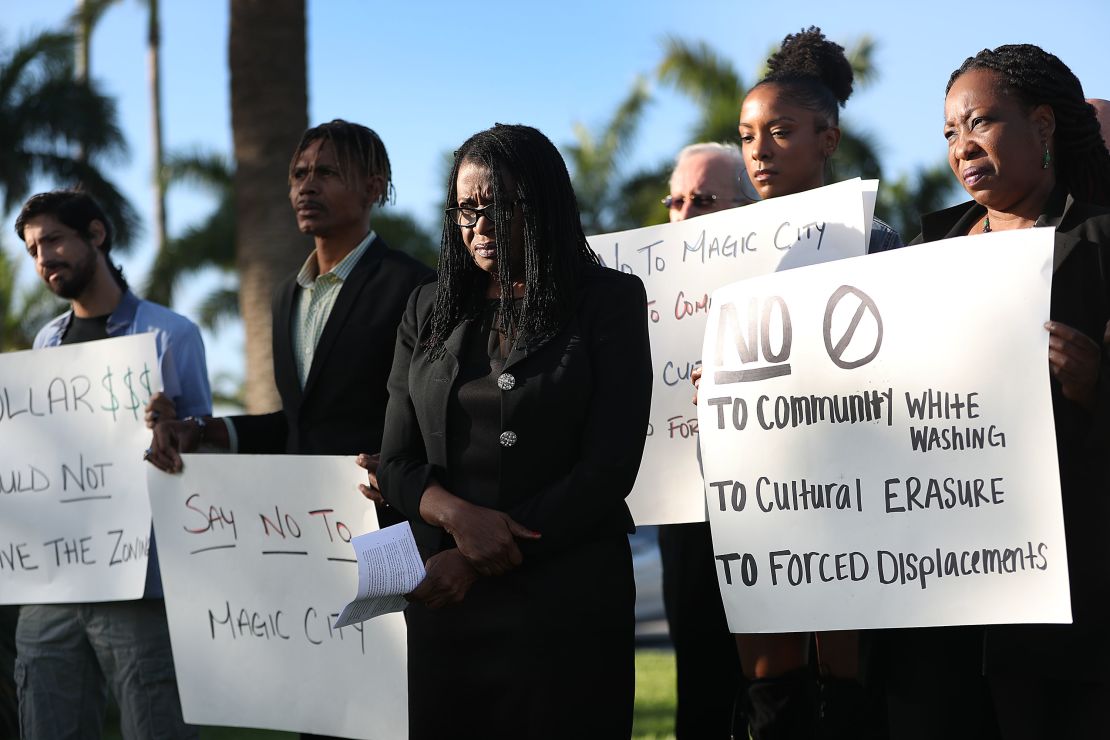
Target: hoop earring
point(1046, 159)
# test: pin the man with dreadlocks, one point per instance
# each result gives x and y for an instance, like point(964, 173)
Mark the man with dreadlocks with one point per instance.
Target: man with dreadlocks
point(1026, 146)
point(517, 416)
point(334, 322)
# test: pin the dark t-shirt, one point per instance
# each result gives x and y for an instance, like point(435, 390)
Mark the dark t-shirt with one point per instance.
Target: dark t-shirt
point(86, 330)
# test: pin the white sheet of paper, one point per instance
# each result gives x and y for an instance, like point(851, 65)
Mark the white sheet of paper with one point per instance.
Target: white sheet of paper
point(831, 403)
point(389, 566)
point(74, 518)
point(681, 264)
point(255, 553)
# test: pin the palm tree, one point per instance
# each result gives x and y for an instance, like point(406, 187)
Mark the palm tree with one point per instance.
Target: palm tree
point(154, 81)
point(269, 104)
point(210, 243)
point(45, 116)
point(22, 312)
point(596, 159)
point(711, 81)
point(84, 21)
point(903, 201)
point(714, 85)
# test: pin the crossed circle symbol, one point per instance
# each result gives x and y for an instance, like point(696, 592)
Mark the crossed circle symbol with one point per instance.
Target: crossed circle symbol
point(866, 305)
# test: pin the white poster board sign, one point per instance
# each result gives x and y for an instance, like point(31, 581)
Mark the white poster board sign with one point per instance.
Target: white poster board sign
point(257, 563)
point(878, 441)
point(681, 264)
point(74, 519)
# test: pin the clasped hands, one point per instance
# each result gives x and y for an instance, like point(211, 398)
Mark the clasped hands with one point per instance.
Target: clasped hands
point(485, 539)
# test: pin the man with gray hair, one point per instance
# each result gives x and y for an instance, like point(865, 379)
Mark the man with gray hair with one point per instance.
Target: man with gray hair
point(707, 177)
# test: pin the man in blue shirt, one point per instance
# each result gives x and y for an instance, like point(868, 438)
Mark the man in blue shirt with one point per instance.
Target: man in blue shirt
point(68, 655)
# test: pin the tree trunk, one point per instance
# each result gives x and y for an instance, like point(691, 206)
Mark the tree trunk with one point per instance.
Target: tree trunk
point(269, 104)
point(154, 73)
point(83, 40)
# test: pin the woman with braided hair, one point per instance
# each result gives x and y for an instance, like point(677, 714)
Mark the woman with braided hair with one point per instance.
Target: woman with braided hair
point(1026, 146)
point(517, 415)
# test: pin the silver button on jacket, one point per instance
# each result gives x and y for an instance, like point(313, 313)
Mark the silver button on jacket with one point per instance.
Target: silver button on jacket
point(506, 381)
point(508, 439)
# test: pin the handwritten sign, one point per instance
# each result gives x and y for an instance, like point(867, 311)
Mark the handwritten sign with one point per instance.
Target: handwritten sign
point(681, 265)
point(878, 441)
point(74, 519)
point(256, 562)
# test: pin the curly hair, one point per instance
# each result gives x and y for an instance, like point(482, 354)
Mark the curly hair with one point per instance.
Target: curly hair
point(813, 71)
point(555, 248)
point(77, 210)
point(1036, 77)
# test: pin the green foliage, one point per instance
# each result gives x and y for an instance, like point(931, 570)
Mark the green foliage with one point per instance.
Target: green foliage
point(210, 243)
point(596, 158)
point(22, 312)
point(47, 118)
point(401, 231)
point(711, 83)
point(902, 202)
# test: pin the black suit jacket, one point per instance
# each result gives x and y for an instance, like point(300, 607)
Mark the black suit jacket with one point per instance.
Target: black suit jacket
point(341, 410)
point(578, 408)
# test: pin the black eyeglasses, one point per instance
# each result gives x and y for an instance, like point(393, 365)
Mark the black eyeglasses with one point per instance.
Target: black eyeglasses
point(698, 200)
point(467, 216)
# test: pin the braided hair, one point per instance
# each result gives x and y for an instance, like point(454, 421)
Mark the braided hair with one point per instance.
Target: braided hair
point(555, 248)
point(1035, 77)
point(813, 72)
point(358, 150)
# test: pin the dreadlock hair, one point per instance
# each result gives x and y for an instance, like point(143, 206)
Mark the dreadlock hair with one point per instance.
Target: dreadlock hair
point(1035, 77)
point(359, 151)
point(813, 72)
point(555, 248)
point(77, 210)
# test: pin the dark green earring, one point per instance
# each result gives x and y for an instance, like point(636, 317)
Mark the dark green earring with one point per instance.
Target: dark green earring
point(1046, 159)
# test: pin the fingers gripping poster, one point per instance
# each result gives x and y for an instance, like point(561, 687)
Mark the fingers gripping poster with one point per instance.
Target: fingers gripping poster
point(257, 564)
point(74, 518)
point(681, 264)
point(878, 441)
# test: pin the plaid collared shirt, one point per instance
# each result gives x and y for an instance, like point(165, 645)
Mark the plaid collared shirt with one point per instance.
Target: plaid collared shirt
point(315, 302)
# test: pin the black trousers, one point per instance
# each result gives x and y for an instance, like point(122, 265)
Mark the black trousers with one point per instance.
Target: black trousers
point(709, 676)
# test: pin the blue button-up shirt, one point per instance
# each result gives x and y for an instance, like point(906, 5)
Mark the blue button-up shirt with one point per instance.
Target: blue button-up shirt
point(180, 357)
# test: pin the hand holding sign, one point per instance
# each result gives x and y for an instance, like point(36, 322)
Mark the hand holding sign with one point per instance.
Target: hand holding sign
point(884, 461)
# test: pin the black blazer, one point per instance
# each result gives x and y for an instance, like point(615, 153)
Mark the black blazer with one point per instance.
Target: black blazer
point(1080, 299)
point(577, 410)
point(341, 409)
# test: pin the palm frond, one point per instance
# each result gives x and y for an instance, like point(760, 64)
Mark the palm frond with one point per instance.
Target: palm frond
point(221, 305)
point(698, 71)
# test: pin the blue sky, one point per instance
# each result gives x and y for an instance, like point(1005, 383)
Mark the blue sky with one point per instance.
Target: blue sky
point(425, 75)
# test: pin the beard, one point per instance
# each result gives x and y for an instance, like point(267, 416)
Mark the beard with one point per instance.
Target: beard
point(81, 275)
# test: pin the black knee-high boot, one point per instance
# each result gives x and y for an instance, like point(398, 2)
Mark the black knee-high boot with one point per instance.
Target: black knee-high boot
point(849, 712)
point(784, 707)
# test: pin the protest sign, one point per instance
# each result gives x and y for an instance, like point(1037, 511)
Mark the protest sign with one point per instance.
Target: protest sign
point(681, 264)
point(256, 564)
point(878, 441)
point(74, 518)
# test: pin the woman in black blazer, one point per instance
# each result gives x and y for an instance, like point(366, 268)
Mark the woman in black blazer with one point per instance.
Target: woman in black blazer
point(1027, 148)
point(517, 415)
